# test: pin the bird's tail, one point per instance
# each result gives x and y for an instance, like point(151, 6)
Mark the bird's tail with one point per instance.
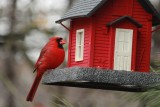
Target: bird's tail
point(34, 88)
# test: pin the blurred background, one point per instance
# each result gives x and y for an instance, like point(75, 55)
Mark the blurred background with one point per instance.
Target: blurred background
point(25, 26)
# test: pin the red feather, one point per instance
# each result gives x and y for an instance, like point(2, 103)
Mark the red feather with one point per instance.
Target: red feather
point(34, 88)
point(51, 56)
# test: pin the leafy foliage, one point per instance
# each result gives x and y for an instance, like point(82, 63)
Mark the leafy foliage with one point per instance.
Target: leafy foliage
point(61, 102)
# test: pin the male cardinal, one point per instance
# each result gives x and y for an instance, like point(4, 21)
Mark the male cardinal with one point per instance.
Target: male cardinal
point(51, 56)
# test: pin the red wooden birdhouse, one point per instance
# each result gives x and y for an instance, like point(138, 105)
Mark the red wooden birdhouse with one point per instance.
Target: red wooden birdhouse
point(111, 34)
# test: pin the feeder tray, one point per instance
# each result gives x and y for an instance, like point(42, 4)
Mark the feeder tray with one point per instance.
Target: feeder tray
point(97, 78)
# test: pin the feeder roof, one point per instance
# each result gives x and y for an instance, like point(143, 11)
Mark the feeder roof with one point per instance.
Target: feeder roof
point(85, 8)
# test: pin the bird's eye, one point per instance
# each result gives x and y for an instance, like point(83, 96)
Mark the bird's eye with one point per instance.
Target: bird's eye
point(59, 39)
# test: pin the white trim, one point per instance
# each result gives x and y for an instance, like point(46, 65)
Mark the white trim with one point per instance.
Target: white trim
point(79, 51)
point(123, 49)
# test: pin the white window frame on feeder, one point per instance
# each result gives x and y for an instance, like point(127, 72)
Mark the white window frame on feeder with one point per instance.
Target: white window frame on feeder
point(79, 51)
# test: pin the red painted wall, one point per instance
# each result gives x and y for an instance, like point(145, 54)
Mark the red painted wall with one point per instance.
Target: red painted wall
point(76, 24)
point(144, 37)
point(102, 38)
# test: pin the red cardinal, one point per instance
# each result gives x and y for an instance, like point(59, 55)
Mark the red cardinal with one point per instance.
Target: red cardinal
point(51, 56)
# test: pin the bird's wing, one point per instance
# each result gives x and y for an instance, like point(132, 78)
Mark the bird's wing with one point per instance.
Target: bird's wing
point(43, 51)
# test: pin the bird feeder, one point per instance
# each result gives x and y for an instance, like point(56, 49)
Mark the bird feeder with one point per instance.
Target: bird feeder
point(109, 46)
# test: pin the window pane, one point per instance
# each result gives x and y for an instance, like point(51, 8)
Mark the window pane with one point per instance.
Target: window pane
point(79, 45)
point(80, 38)
point(80, 50)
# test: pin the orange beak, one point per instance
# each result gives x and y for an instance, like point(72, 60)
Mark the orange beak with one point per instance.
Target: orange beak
point(62, 42)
